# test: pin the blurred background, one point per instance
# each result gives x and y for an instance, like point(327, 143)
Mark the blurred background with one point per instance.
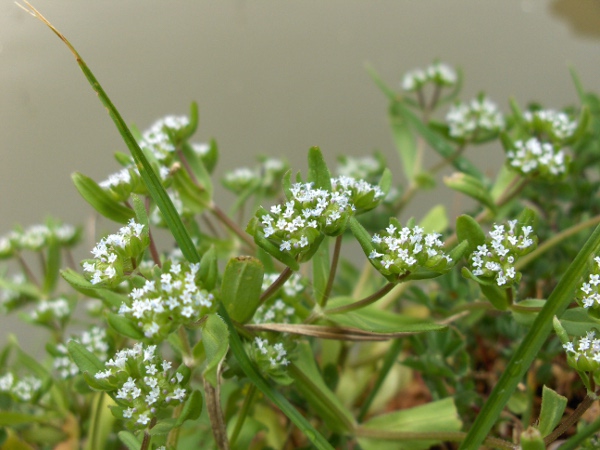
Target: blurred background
point(270, 77)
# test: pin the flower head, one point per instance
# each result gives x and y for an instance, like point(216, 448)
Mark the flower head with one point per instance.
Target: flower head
point(114, 253)
point(143, 384)
point(438, 74)
point(170, 299)
point(583, 353)
point(496, 258)
point(479, 118)
point(534, 158)
point(399, 250)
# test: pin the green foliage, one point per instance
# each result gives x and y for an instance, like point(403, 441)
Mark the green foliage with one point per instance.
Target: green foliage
point(270, 335)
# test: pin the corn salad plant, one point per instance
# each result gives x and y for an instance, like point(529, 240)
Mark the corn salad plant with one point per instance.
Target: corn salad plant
point(254, 329)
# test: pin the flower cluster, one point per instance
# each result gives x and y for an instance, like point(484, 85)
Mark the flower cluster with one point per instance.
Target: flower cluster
point(366, 168)
point(555, 124)
point(37, 238)
point(278, 309)
point(539, 159)
point(272, 359)
point(438, 74)
point(591, 290)
point(159, 142)
point(94, 340)
point(49, 311)
point(398, 251)
point(144, 385)
point(362, 195)
point(11, 298)
point(164, 303)
point(311, 213)
point(22, 389)
point(476, 119)
point(266, 176)
point(496, 258)
point(115, 255)
point(158, 138)
point(583, 354)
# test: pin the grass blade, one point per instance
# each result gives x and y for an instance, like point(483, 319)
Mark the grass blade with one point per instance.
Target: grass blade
point(529, 348)
point(151, 180)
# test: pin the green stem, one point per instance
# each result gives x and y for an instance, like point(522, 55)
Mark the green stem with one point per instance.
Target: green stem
point(455, 436)
point(173, 436)
point(188, 354)
point(153, 250)
point(278, 283)
point(28, 273)
point(527, 351)
point(215, 414)
point(147, 437)
point(586, 432)
point(449, 160)
point(555, 240)
point(242, 415)
point(225, 220)
point(96, 418)
point(332, 271)
point(390, 359)
point(588, 401)
point(364, 302)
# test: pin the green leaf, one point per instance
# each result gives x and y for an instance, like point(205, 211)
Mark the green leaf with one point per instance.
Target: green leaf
point(496, 295)
point(318, 173)
point(361, 234)
point(27, 289)
point(374, 320)
point(140, 211)
point(216, 342)
point(320, 266)
point(79, 283)
point(259, 238)
point(471, 187)
point(577, 321)
point(192, 408)
point(129, 440)
point(406, 146)
point(209, 270)
point(437, 416)
point(553, 407)
point(85, 360)
point(525, 312)
point(33, 365)
point(312, 388)
point(241, 287)
point(437, 142)
point(52, 268)
point(436, 220)
point(385, 182)
point(124, 326)
point(467, 229)
point(389, 92)
point(100, 200)
point(112, 299)
point(164, 426)
point(505, 178)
